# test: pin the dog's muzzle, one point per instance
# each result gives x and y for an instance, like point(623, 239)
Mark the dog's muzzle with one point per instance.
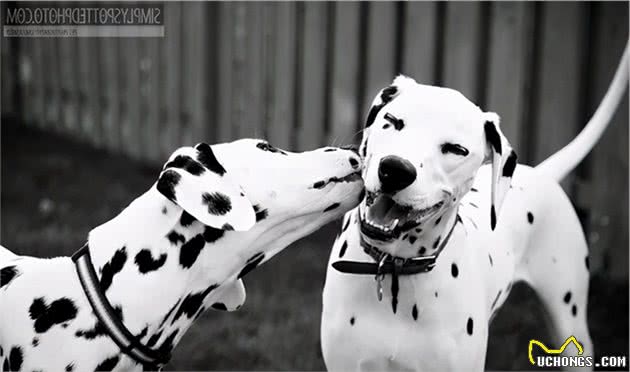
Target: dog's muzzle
point(382, 219)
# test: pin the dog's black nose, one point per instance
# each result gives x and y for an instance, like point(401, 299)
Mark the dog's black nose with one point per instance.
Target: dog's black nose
point(395, 173)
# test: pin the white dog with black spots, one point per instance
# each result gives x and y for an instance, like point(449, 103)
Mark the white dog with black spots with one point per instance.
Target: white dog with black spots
point(442, 180)
point(215, 213)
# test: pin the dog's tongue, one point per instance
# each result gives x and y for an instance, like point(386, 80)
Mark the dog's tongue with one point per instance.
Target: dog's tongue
point(384, 211)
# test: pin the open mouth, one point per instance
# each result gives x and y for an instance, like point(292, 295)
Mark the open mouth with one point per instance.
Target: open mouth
point(383, 219)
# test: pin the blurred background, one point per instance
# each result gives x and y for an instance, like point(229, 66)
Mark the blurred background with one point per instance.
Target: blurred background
point(88, 122)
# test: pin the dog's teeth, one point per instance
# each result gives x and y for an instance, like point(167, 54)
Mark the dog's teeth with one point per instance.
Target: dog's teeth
point(394, 224)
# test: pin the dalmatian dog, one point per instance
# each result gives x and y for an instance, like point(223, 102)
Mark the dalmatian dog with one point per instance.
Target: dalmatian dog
point(449, 222)
point(215, 213)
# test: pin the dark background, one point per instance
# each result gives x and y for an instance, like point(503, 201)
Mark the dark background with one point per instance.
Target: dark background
point(87, 123)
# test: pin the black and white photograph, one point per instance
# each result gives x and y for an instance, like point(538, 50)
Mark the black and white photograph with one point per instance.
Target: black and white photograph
point(314, 186)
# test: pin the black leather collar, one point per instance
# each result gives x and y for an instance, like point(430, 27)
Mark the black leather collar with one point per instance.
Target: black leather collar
point(129, 344)
point(388, 264)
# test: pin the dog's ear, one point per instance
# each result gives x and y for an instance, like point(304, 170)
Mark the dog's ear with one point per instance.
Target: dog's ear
point(230, 297)
point(194, 179)
point(500, 154)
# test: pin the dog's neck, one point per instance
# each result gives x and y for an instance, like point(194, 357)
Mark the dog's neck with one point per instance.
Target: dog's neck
point(138, 260)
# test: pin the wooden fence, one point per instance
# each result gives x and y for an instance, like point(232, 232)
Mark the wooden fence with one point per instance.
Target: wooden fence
point(303, 74)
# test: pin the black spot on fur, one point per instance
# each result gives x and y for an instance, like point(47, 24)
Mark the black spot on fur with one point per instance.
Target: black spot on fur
point(385, 126)
point(164, 210)
point(167, 183)
point(574, 310)
point(14, 360)
point(331, 207)
point(510, 165)
point(436, 242)
point(146, 263)
point(352, 321)
point(469, 326)
point(219, 306)
point(386, 96)
point(218, 203)
point(211, 235)
point(422, 250)
point(353, 162)
point(454, 270)
point(175, 238)
point(567, 297)
point(345, 225)
point(261, 213)
point(474, 189)
point(168, 344)
point(251, 264)
point(154, 339)
point(319, 184)
point(227, 227)
point(267, 147)
point(494, 303)
point(493, 217)
point(473, 205)
point(108, 364)
point(587, 263)
point(113, 267)
point(35, 342)
point(414, 312)
point(208, 159)
point(412, 239)
point(364, 149)
point(186, 219)
point(530, 217)
point(186, 163)
point(46, 316)
point(330, 149)
point(1, 352)
point(492, 136)
point(70, 367)
point(344, 246)
point(395, 289)
point(192, 302)
point(490, 258)
point(190, 251)
point(7, 274)
point(398, 124)
point(439, 219)
point(436, 294)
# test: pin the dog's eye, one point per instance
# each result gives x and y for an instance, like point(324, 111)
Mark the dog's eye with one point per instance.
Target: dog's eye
point(452, 148)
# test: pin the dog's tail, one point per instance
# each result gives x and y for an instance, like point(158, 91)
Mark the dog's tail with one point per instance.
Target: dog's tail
point(558, 165)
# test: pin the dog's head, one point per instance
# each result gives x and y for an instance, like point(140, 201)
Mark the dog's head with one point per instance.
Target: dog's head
point(250, 186)
point(422, 147)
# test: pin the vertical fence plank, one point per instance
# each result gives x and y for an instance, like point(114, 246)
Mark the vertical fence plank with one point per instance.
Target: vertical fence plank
point(381, 50)
point(88, 89)
point(311, 114)
point(462, 48)
point(608, 193)
point(419, 49)
point(37, 95)
point(170, 70)
point(69, 83)
point(194, 118)
point(226, 41)
point(150, 97)
point(26, 80)
point(511, 41)
point(52, 85)
point(130, 97)
point(250, 62)
point(558, 82)
point(9, 77)
point(110, 105)
point(281, 114)
point(343, 117)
